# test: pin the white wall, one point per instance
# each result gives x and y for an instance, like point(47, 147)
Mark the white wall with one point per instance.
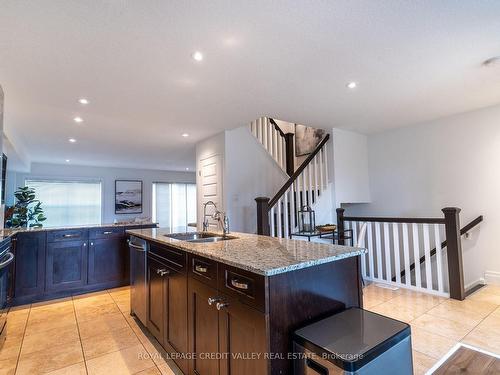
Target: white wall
point(350, 167)
point(250, 172)
point(416, 171)
point(107, 177)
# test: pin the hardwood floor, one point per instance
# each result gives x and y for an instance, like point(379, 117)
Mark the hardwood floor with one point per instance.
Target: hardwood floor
point(468, 361)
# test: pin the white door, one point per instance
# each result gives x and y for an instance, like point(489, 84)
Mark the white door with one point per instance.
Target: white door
point(209, 188)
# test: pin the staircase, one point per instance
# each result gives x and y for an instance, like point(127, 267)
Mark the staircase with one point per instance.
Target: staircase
point(278, 216)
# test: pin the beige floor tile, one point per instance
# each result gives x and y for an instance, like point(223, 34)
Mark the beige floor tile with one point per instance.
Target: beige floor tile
point(372, 301)
point(97, 298)
point(486, 335)
point(76, 369)
point(404, 313)
point(125, 288)
point(127, 361)
point(382, 293)
point(52, 304)
point(90, 312)
point(423, 301)
point(10, 346)
point(165, 369)
point(106, 323)
point(444, 327)
point(486, 294)
point(469, 312)
point(46, 339)
point(109, 342)
point(149, 371)
point(430, 344)
point(15, 328)
point(8, 366)
point(49, 360)
point(41, 324)
point(422, 363)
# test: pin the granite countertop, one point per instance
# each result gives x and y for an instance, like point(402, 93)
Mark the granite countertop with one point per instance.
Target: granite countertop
point(9, 232)
point(259, 254)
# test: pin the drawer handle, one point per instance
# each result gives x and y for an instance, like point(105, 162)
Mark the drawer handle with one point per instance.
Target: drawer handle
point(162, 272)
point(70, 235)
point(107, 232)
point(221, 305)
point(212, 300)
point(239, 284)
point(201, 269)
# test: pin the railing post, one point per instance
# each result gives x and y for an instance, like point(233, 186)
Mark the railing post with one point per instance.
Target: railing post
point(340, 225)
point(290, 152)
point(454, 252)
point(263, 216)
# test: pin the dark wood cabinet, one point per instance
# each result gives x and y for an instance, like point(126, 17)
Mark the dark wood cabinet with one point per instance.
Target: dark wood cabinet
point(156, 298)
point(30, 264)
point(108, 261)
point(203, 321)
point(242, 335)
point(66, 266)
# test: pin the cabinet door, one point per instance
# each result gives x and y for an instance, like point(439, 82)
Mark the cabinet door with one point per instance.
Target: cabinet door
point(156, 299)
point(30, 264)
point(203, 322)
point(108, 261)
point(242, 334)
point(176, 330)
point(66, 265)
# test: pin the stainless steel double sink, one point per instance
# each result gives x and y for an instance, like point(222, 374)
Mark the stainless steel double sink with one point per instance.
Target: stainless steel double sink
point(199, 237)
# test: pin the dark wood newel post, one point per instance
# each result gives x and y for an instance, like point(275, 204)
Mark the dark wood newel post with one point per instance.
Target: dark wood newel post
point(454, 252)
point(290, 162)
point(263, 216)
point(340, 225)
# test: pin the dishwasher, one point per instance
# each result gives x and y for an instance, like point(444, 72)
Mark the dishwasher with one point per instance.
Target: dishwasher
point(138, 283)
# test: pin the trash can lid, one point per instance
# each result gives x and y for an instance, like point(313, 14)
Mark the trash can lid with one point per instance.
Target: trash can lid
point(352, 338)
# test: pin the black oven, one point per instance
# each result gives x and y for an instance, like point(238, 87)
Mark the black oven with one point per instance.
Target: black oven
point(6, 280)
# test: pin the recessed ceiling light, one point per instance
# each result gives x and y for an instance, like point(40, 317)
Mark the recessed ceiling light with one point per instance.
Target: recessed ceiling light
point(72, 140)
point(352, 85)
point(198, 56)
point(67, 160)
point(185, 135)
point(83, 101)
point(78, 119)
point(187, 169)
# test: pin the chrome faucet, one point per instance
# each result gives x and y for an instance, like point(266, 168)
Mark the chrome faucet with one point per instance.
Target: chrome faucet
point(205, 220)
point(221, 217)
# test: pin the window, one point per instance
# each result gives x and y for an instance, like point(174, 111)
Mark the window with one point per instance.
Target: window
point(69, 202)
point(174, 205)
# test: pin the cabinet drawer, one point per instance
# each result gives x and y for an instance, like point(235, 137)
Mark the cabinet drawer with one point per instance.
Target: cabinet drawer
point(176, 259)
point(248, 287)
point(100, 233)
point(203, 269)
point(67, 235)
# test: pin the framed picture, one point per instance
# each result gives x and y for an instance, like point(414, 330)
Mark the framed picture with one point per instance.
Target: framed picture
point(306, 139)
point(128, 197)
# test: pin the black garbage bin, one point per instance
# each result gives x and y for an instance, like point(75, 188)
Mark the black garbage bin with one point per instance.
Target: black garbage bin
point(354, 341)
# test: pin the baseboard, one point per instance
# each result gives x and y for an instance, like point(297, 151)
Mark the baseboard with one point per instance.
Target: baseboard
point(492, 277)
point(480, 281)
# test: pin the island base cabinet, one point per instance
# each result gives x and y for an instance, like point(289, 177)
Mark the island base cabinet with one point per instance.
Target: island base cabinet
point(66, 265)
point(108, 261)
point(156, 299)
point(203, 326)
point(226, 336)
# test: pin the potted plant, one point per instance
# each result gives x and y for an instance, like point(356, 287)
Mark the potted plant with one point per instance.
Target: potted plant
point(27, 212)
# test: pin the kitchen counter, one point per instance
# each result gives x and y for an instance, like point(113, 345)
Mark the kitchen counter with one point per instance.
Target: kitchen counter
point(258, 254)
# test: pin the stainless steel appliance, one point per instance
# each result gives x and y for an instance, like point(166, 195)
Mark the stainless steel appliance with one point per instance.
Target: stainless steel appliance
point(6, 280)
point(138, 286)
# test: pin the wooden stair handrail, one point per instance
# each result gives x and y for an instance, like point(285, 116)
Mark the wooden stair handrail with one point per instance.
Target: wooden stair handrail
point(276, 126)
point(297, 173)
point(464, 230)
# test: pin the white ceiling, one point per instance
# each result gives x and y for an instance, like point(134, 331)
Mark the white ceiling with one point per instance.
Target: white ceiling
point(414, 61)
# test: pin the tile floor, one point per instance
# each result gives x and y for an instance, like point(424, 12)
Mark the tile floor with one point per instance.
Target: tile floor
point(94, 334)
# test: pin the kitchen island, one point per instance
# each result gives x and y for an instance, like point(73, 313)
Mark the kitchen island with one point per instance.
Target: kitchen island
point(229, 307)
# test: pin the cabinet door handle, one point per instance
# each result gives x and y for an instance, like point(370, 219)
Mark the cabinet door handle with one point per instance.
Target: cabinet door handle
point(200, 268)
point(239, 284)
point(91, 244)
point(162, 272)
point(85, 244)
point(221, 305)
point(212, 300)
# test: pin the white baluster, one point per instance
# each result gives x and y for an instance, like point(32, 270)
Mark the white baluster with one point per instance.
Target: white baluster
point(270, 138)
point(416, 256)
point(265, 132)
point(326, 164)
point(292, 205)
point(271, 212)
point(259, 129)
point(304, 187)
point(427, 253)
point(275, 144)
point(321, 169)
point(370, 250)
point(406, 254)
point(316, 190)
point(387, 249)
point(280, 150)
point(397, 264)
point(311, 195)
point(285, 213)
point(280, 232)
point(439, 258)
point(379, 251)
